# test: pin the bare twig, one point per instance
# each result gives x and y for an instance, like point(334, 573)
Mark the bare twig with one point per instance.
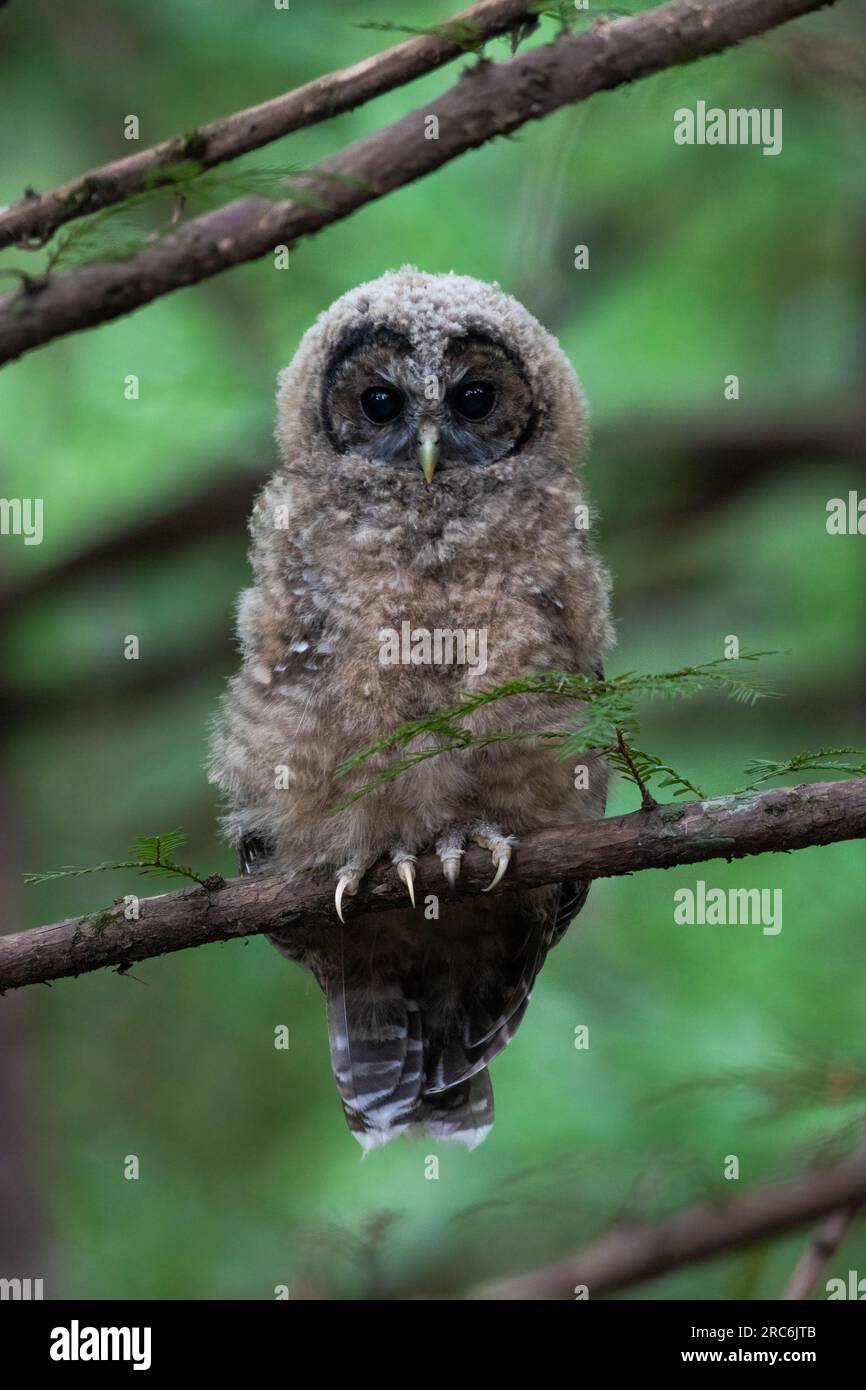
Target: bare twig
point(489, 100)
point(632, 1254)
point(823, 1244)
point(825, 1241)
point(33, 221)
point(686, 833)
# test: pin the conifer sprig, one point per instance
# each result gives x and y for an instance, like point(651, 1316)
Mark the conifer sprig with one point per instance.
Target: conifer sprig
point(821, 760)
point(117, 232)
point(153, 854)
point(609, 724)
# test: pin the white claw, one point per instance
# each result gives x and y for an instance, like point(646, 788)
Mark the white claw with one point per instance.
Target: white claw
point(501, 858)
point(451, 868)
point(406, 870)
point(450, 850)
point(343, 884)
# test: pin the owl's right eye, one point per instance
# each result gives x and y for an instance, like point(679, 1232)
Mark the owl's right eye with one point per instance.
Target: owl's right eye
point(381, 404)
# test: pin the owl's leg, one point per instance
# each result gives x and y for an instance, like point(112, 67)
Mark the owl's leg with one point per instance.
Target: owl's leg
point(491, 837)
point(449, 847)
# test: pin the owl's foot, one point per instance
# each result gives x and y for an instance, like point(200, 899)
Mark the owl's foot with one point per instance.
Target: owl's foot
point(350, 876)
point(449, 847)
point(491, 837)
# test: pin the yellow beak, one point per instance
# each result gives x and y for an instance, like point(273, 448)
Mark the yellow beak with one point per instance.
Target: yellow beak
point(428, 449)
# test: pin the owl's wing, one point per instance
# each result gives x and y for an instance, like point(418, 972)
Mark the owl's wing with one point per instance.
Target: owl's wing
point(489, 1021)
point(491, 1018)
point(572, 897)
point(412, 1031)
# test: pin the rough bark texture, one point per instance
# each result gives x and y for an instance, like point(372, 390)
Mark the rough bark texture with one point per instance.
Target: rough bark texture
point(633, 1254)
point(37, 217)
point(488, 100)
point(725, 828)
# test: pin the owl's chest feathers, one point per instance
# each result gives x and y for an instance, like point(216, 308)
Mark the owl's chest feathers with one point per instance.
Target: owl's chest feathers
point(364, 633)
point(418, 634)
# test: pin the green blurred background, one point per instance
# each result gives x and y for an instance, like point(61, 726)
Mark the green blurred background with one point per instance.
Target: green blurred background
point(704, 1042)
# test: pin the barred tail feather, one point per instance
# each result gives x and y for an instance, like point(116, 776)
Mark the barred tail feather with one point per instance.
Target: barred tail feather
point(412, 1034)
point(377, 1055)
point(463, 1113)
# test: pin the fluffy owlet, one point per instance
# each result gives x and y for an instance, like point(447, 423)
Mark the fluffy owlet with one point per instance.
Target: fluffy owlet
point(422, 540)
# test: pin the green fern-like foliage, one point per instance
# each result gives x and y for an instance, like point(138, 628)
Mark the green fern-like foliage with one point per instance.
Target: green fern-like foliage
point(172, 193)
point(643, 768)
point(152, 854)
point(158, 849)
point(609, 724)
point(609, 721)
point(822, 760)
point(470, 37)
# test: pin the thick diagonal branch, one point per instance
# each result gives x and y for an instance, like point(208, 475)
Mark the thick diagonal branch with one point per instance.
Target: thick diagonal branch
point(633, 1254)
point(489, 100)
point(689, 833)
point(36, 218)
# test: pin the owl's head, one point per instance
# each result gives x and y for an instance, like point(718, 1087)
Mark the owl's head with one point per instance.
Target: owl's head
point(413, 377)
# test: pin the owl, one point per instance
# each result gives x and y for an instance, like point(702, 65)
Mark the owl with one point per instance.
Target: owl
point(423, 539)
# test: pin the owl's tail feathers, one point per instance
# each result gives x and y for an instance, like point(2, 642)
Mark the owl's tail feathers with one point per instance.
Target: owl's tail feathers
point(377, 1054)
point(379, 1057)
point(463, 1113)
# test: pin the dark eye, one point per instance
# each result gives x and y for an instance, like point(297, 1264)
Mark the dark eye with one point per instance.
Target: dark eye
point(474, 399)
point(381, 404)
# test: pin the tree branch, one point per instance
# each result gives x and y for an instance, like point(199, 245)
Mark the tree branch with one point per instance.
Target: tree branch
point(825, 1241)
point(215, 507)
point(632, 1254)
point(489, 100)
point(689, 833)
point(37, 218)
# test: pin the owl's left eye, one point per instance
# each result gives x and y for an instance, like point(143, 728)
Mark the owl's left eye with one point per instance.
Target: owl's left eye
point(474, 399)
point(381, 404)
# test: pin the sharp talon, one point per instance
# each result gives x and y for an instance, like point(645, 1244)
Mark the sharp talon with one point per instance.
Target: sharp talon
point(406, 870)
point(346, 883)
point(501, 858)
point(450, 850)
point(451, 868)
point(345, 880)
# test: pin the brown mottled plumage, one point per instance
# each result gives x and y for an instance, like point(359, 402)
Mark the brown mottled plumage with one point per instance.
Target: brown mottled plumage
point(350, 540)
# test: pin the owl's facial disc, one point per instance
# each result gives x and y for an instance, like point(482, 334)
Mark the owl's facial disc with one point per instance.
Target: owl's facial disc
point(387, 401)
